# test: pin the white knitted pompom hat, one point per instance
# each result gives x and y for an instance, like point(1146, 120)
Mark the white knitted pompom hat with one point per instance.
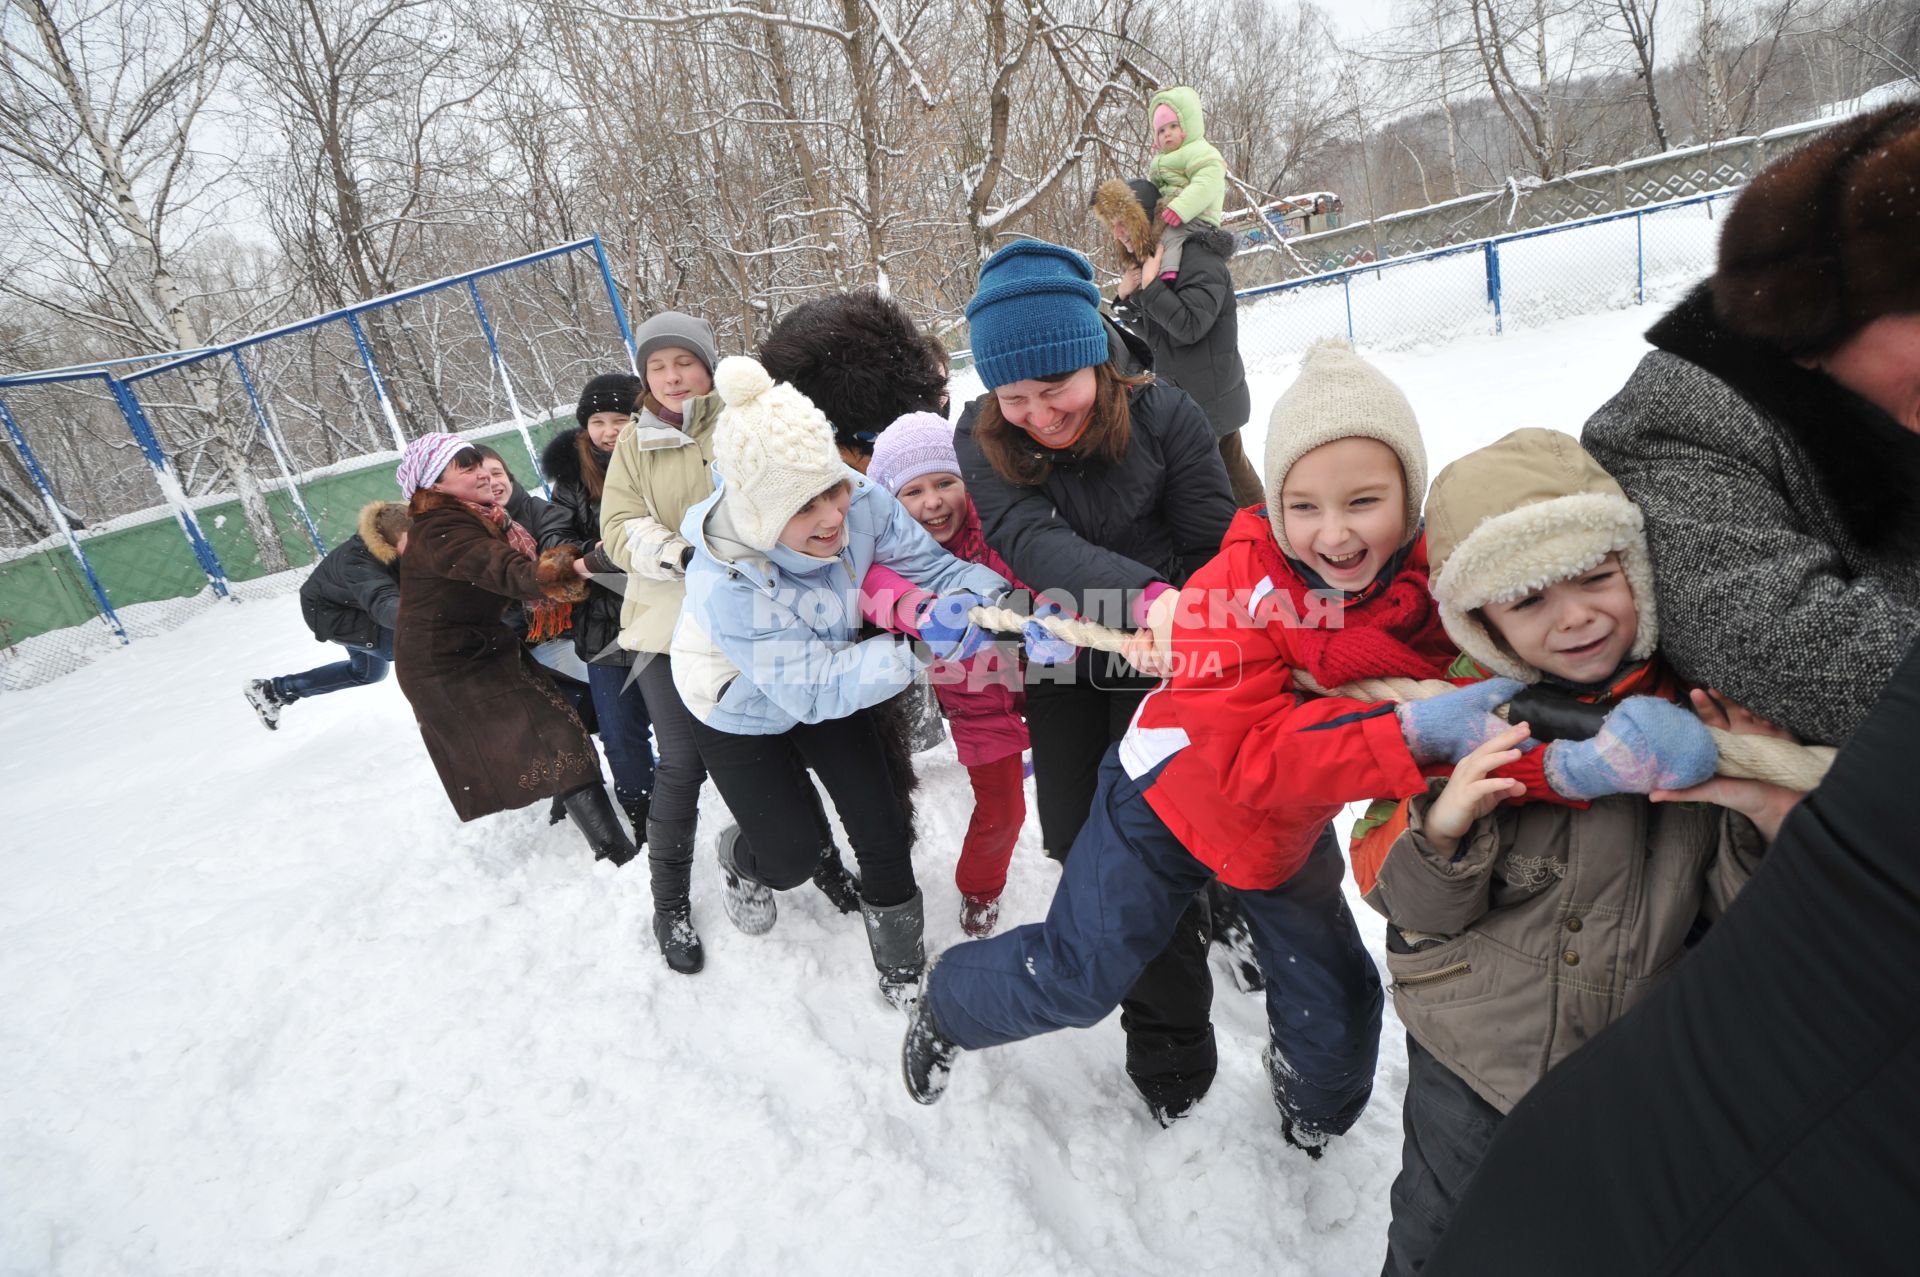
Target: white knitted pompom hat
point(772, 446)
point(1339, 395)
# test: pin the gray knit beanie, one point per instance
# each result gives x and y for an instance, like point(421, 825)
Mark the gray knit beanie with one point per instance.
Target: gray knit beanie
point(671, 329)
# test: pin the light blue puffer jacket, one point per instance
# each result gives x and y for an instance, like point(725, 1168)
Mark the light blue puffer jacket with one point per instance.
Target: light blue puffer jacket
point(766, 640)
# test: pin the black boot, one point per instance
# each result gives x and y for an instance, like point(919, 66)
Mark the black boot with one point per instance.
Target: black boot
point(1310, 1140)
point(557, 810)
point(636, 807)
point(592, 814)
point(835, 883)
point(670, 864)
point(926, 1057)
point(750, 905)
point(896, 935)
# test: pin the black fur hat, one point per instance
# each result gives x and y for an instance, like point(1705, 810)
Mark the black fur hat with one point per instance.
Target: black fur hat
point(1827, 238)
point(861, 359)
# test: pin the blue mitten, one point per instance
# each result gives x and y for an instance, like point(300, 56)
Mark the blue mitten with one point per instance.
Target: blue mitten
point(1448, 727)
point(946, 628)
point(1645, 744)
point(1043, 648)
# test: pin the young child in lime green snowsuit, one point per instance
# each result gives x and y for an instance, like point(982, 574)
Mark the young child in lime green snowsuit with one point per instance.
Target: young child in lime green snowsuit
point(1187, 170)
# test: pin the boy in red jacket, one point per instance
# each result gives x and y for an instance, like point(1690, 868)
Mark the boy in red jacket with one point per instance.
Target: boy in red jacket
point(1230, 770)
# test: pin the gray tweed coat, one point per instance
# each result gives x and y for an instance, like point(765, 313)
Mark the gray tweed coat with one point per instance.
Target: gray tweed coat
point(1783, 520)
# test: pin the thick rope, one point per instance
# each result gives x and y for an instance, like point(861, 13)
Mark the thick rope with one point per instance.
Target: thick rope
point(1779, 762)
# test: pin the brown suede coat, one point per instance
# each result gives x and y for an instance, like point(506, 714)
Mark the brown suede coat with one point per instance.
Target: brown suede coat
point(498, 732)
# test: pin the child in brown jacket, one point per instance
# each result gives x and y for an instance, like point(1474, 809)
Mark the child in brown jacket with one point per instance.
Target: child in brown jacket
point(1516, 933)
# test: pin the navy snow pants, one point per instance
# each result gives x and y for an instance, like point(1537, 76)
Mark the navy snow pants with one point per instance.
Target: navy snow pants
point(1125, 886)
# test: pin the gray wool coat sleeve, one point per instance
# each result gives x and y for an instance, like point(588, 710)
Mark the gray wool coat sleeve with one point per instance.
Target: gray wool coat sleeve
point(1753, 599)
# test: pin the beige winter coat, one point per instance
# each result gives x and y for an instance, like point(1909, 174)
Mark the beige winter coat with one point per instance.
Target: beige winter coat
point(657, 474)
point(1551, 922)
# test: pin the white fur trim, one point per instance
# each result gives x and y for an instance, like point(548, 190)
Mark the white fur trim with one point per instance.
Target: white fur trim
point(1513, 554)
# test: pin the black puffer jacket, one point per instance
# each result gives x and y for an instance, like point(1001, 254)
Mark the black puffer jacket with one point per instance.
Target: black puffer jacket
point(596, 623)
point(1194, 330)
point(1104, 532)
point(355, 590)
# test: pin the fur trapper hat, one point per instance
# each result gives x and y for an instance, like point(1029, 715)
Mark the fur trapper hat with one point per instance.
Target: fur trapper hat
point(1133, 207)
point(774, 449)
point(1518, 515)
point(1339, 395)
point(860, 358)
point(1827, 238)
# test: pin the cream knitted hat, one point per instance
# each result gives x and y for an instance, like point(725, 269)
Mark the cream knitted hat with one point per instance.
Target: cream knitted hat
point(1339, 395)
point(772, 446)
point(1518, 515)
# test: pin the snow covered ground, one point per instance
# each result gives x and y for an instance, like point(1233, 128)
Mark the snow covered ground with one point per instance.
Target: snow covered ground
point(269, 1009)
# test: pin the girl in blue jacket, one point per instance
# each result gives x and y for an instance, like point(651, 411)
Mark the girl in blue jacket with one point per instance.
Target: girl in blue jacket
point(768, 658)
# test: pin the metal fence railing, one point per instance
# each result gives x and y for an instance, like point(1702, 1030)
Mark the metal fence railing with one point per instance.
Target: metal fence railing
point(137, 492)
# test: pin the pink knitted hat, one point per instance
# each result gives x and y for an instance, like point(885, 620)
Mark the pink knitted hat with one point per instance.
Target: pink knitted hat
point(916, 444)
point(1163, 114)
point(425, 459)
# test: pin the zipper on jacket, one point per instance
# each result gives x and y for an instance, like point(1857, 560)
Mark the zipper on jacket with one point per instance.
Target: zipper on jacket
point(1447, 972)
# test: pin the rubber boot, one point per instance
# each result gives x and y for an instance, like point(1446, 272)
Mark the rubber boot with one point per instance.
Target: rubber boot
point(749, 905)
point(670, 866)
point(835, 883)
point(926, 1057)
point(896, 935)
point(592, 814)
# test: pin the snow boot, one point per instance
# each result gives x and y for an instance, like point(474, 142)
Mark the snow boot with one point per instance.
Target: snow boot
point(1235, 939)
point(266, 702)
point(670, 866)
point(750, 905)
point(896, 935)
point(835, 883)
point(636, 806)
point(979, 915)
point(592, 814)
point(926, 1057)
point(1309, 1139)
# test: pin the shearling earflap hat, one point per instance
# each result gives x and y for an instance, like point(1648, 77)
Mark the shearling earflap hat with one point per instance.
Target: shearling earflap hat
point(1515, 517)
point(673, 330)
point(1827, 238)
point(1339, 395)
point(773, 448)
point(609, 392)
point(1036, 313)
point(1133, 207)
point(917, 444)
point(425, 460)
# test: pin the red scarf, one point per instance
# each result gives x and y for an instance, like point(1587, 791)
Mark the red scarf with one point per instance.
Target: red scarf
point(1391, 628)
point(548, 618)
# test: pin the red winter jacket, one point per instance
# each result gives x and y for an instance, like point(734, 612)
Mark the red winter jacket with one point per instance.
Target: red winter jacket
point(1254, 769)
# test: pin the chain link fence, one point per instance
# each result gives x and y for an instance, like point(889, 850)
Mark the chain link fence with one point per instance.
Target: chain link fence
point(137, 493)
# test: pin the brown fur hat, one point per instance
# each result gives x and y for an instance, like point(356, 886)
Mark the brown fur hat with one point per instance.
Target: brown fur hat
point(1135, 208)
point(1827, 238)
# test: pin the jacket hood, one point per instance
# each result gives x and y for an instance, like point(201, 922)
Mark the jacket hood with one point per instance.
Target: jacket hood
point(1186, 104)
point(1518, 515)
point(560, 459)
point(378, 546)
point(1868, 464)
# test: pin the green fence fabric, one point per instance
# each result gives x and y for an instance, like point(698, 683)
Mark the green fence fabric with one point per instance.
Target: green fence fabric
point(45, 591)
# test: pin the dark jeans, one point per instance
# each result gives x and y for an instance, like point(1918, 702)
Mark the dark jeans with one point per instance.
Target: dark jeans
point(1167, 1014)
point(765, 782)
point(622, 714)
point(1448, 1128)
point(363, 667)
point(1126, 888)
point(678, 771)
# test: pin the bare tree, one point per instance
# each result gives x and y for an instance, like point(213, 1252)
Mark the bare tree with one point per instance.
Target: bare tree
point(1637, 22)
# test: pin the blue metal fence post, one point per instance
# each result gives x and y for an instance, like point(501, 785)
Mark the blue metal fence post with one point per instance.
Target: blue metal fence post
point(1493, 285)
point(59, 518)
point(373, 375)
point(1640, 259)
point(272, 437)
point(513, 400)
point(619, 310)
point(1346, 288)
point(170, 488)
